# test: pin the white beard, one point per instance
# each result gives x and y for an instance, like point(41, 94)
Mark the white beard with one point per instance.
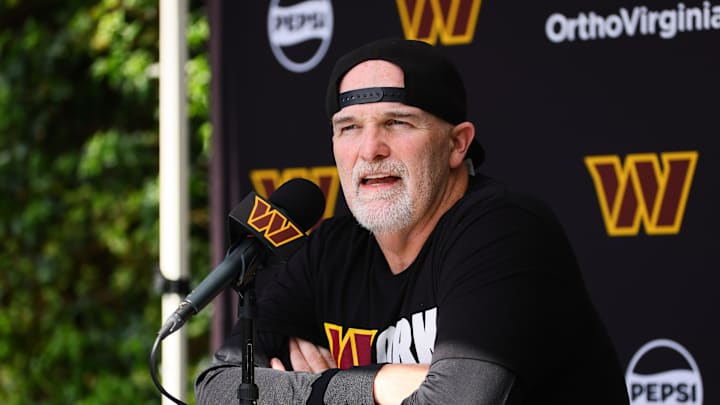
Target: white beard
point(389, 210)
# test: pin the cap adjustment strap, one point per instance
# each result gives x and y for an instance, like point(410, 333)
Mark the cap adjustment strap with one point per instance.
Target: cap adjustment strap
point(371, 95)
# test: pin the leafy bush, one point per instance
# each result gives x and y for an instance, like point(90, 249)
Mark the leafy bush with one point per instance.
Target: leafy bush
point(79, 205)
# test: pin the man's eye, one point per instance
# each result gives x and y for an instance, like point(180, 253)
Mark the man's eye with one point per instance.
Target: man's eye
point(346, 128)
point(396, 122)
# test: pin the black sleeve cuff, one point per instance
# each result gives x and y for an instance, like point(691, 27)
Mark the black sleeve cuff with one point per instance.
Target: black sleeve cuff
point(320, 385)
point(351, 386)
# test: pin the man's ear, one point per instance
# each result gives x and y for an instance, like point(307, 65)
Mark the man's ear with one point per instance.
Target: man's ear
point(462, 136)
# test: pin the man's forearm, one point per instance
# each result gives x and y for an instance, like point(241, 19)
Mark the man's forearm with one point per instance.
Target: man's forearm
point(219, 385)
point(448, 380)
point(464, 381)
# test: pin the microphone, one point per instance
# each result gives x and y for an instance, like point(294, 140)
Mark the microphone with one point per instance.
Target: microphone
point(258, 227)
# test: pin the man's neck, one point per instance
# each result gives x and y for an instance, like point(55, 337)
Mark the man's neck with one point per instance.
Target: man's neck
point(402, 247)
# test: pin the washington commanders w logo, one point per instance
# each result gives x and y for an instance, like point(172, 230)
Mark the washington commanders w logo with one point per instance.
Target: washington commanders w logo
point(643, 190)
point(352, 348)
point(452, 21)
point(277, 229)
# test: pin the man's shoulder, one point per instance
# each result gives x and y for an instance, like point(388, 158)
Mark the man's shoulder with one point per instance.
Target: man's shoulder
point(491, 204)
point(486, 194)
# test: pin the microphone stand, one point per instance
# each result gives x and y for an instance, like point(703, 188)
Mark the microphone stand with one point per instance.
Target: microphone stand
point(248, 392)
point(244, 286)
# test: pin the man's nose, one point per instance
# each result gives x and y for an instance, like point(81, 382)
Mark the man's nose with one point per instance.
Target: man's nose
point(374, 144)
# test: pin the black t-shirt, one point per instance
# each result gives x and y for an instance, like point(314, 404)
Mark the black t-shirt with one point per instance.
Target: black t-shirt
point(496, 281)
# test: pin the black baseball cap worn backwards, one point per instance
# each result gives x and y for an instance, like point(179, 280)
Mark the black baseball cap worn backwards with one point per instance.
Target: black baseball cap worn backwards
point(432, 83)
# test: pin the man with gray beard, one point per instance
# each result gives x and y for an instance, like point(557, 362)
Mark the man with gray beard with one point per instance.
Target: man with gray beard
point(443, 287)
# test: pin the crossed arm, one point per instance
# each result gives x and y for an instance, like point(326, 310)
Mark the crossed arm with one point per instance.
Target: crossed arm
point(451, 378)
point(392, 383)
point(399, 383)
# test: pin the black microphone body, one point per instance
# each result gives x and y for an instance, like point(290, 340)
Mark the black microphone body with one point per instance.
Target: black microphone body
point(240, 256)
point(268, 229)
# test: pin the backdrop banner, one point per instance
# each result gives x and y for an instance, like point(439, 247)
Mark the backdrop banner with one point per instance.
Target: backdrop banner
point(608, 110)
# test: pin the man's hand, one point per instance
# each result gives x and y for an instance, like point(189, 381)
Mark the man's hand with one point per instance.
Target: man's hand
point(306, 356)
point(394, 382)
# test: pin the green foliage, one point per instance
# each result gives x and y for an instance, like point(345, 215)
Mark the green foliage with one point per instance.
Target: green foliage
point(79, 205)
